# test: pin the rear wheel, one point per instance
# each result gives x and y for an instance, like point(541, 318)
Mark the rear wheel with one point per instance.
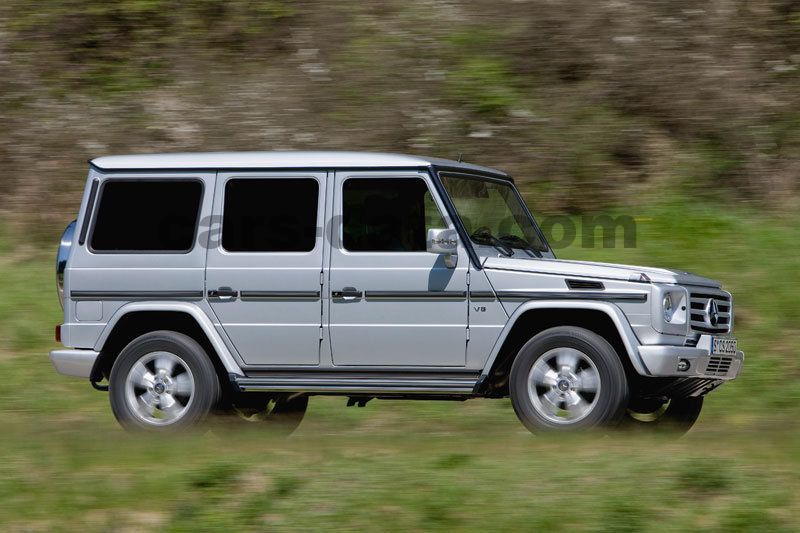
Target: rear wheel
point(676, 416)
point(162, 380)
point(568, 378)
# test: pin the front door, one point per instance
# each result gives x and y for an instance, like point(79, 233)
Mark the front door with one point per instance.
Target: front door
point(391, 302)
point(263, 275)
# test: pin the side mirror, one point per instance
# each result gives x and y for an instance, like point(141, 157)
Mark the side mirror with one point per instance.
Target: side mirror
point(444, 242)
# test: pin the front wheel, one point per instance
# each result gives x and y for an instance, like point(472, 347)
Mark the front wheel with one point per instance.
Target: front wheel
point(568, 378)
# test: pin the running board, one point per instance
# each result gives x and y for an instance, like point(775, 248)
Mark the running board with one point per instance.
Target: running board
point(354, 385)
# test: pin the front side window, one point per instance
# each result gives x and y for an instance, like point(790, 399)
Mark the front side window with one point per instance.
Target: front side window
point(492, 213)
point(388, 214)
point(270, 215)
point(147, 216)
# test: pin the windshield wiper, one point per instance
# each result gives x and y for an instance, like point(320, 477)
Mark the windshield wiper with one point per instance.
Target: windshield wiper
point(519, 242)
point(484, 236)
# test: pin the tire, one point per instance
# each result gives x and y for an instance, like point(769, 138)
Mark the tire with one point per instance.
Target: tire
point(677, 416)
point(162, 381)
point(567, 378)
point(281, 413)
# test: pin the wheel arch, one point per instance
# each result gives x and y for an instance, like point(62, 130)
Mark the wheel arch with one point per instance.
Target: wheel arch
point(138, 318)
point(531, 318)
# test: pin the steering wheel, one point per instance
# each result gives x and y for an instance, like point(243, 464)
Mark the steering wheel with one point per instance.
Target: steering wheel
point(483, 231)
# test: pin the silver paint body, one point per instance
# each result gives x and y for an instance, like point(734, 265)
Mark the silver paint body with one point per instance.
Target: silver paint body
point(394, 325)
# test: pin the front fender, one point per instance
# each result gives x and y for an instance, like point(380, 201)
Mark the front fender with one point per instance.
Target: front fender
point(626, 333)
point(188, 308)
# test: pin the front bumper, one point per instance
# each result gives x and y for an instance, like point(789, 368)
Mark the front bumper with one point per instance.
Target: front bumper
point(75, 363)
point(662, 361)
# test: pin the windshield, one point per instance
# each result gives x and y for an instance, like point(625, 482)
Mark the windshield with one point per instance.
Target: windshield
point(493, 214)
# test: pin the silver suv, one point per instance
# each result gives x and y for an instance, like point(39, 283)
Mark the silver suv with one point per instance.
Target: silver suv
point(247, 282)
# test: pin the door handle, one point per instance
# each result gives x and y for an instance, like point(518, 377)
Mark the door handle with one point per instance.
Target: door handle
point(223, 293)
point(347, 292)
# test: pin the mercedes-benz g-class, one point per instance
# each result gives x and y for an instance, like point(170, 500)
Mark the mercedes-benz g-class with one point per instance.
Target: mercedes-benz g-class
point(247, 282)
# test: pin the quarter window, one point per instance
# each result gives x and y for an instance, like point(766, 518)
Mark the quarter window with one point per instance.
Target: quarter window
point(270, 215)
point(388, 214)
point(147, 216)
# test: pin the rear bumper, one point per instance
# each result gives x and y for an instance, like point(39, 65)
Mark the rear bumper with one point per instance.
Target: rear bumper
point(663, 361)
point(75, 363)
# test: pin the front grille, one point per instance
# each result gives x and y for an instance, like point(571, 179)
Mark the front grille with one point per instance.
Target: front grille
point(718, 365)
point(698, 305)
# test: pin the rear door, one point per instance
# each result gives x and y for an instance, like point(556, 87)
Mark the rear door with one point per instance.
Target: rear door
point(391, 302)
point(264, 268)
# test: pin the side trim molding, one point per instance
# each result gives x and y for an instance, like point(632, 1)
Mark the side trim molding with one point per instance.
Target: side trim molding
point(279, 295)
point(136, 295)
point(481, 295)
point(415, 295)
point(574, 295)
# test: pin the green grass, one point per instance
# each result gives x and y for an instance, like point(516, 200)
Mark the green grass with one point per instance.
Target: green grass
point(397, 466)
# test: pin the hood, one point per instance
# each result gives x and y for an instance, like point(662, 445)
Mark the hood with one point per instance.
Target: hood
point(598, 270)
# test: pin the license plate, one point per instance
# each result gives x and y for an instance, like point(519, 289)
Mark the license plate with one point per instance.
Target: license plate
point(723, 346)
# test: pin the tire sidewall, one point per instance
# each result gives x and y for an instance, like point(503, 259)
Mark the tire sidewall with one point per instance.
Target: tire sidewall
point(206, 383)
point(613, 392)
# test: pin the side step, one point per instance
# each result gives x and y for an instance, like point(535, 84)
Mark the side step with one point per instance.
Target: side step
point(355, 385)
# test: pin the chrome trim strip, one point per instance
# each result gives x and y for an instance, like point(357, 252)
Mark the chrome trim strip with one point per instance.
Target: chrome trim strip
point(279, 295)
point(415, 295)
point(351, 389)
point(574, 295)
point(374, 386)
point(136, 295)
point(360, 372)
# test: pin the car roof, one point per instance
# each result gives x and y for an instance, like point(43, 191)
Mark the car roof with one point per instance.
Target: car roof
point(278, 160)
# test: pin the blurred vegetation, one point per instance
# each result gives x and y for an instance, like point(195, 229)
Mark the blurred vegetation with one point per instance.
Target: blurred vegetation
point(591, 105)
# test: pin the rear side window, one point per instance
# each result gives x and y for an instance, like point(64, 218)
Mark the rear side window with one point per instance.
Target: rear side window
point(388, 214)
point(270, 215)
point(147, 216)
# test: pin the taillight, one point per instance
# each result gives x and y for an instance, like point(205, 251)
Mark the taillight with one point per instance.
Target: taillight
point(58, 333)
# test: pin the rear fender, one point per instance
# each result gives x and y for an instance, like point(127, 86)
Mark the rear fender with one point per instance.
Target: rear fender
point(225, 356)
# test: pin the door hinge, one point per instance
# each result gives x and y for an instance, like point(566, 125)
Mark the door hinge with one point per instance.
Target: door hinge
point(320, 333)
point(322, 278)
point(467, 333)
point(468, 277)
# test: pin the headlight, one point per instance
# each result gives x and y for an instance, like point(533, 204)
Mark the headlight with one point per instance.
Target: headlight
point(669, 310)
